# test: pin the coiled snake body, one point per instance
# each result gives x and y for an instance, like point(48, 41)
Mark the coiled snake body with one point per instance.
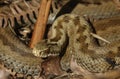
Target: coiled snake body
point(16, 56)
point(81, 46)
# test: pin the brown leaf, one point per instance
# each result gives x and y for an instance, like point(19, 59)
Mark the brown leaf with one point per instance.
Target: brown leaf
point(51, 66)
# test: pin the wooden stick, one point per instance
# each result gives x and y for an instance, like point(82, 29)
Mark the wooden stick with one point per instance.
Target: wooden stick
point(40, 25)
point(47, 10)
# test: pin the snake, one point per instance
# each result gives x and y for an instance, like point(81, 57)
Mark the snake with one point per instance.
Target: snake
point(16, 56)
point(73, 32)
point(19, 58)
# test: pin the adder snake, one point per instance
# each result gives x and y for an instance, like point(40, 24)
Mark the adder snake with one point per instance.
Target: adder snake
point(17, 57)
point(74, 32)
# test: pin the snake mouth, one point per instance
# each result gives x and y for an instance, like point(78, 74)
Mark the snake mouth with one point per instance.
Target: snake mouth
point(40, 53)
point(44, 53)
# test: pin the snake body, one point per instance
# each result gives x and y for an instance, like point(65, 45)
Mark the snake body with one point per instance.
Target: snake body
point(82, 46)
point(16, 56)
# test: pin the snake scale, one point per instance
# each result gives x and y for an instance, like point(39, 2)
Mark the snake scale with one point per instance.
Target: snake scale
point(82, 46)
point(17, 57)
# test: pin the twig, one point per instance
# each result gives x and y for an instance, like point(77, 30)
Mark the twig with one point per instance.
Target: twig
point(47, 10)
point(100, 38)
point(40, 25)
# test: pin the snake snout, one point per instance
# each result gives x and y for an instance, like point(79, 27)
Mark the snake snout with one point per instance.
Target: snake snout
point(40, 52)
point(41, 49)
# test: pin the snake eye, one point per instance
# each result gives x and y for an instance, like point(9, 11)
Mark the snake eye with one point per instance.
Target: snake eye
point(44, 53)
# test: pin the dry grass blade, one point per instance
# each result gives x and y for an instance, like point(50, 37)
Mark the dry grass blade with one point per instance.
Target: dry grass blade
point(100, 38)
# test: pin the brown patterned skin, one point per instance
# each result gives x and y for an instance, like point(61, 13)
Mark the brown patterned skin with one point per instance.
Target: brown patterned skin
point(82, 46)
point(16, 56)
point(22, 61)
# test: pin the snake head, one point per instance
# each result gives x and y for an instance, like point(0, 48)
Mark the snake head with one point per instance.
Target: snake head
point(44, 49)
point(41, 49)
